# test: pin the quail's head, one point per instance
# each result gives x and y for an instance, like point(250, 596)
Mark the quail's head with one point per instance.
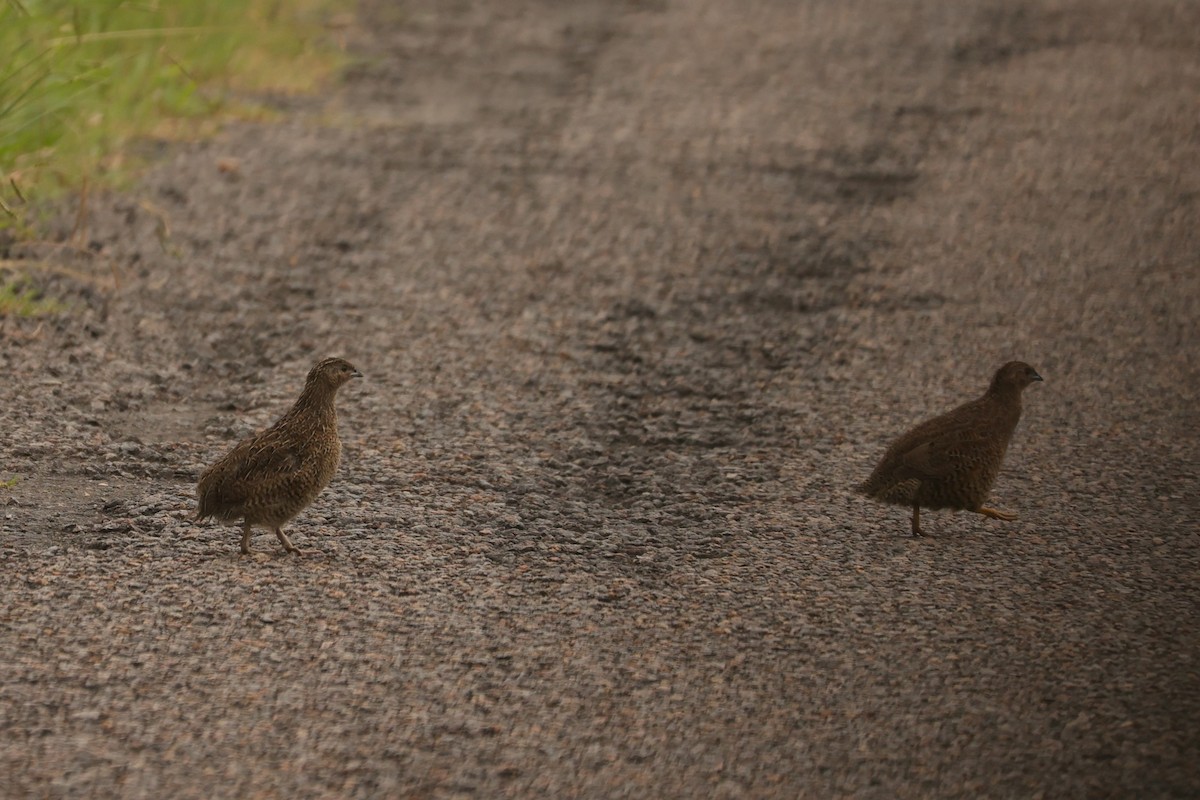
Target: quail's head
point(331, 373)
point(1014, 375)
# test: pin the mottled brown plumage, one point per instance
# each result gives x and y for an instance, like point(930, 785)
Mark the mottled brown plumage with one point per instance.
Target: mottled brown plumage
point(952, 461)
point(271, 477)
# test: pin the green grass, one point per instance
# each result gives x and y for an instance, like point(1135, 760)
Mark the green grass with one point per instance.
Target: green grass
point(19, 298)
point(81, 80)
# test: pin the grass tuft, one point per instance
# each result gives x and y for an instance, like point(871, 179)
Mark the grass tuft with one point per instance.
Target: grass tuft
point(19, 298)
point(81, 79)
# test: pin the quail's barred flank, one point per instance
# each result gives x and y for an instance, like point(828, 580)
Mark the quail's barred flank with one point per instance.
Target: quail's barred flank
point(269, 478)
point(952, 461)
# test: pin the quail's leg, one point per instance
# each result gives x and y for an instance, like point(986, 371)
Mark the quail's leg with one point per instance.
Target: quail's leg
point(246, 538)
point(1007, 516)
point(916, 520)
point(287, 543)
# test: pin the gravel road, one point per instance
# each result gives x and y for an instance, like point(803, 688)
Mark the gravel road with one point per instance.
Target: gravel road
point(641, 288)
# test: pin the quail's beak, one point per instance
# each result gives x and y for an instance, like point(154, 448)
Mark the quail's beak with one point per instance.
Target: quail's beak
point(1036, 377)
point(357, 374)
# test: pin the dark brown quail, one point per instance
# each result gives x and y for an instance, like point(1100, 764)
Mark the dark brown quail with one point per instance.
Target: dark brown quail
point(271, 477)
point(952, 461)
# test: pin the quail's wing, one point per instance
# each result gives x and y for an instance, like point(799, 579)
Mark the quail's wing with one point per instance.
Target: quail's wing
point(257, 464)
point(941, 446)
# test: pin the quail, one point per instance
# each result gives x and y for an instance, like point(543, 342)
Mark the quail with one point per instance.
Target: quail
point(269, 478)
point(952, 461)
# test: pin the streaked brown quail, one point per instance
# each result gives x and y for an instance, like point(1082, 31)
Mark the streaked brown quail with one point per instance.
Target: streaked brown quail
point(269, 478)
point(952, 461)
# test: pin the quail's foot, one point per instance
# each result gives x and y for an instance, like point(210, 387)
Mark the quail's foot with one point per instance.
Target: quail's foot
point(287, 543)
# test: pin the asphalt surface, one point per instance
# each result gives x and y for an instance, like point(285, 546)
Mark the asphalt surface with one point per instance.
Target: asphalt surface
point(641, 290)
